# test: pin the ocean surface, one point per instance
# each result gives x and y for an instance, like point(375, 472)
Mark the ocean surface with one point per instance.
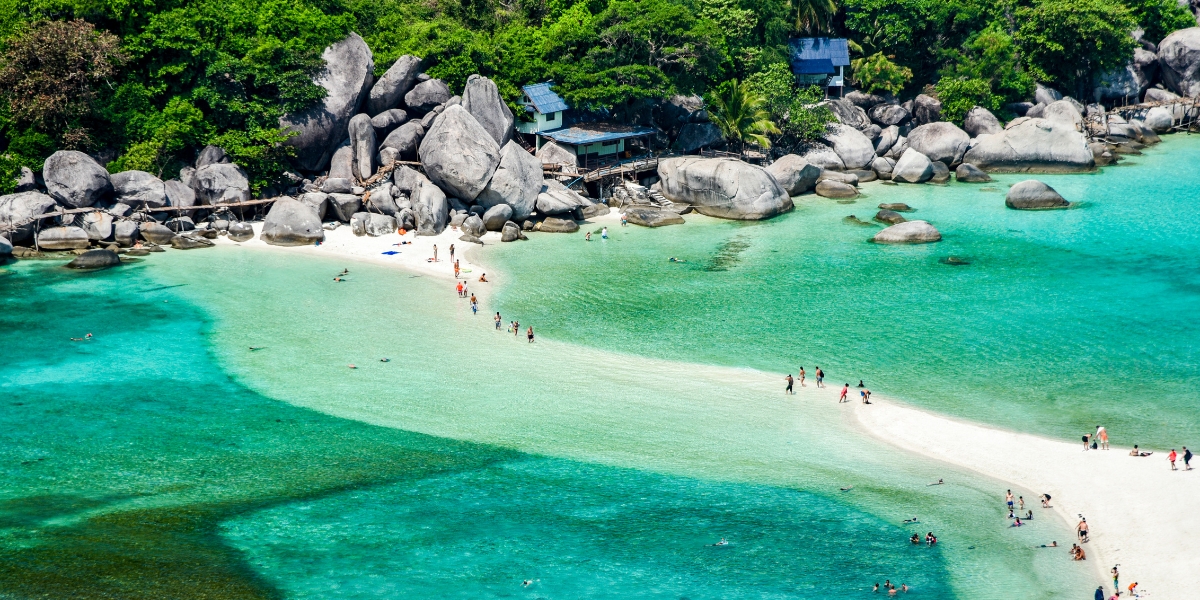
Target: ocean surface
point(166, 458)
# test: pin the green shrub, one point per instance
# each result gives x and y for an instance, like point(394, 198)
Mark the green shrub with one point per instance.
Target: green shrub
point(877, 72)
point(959, 95)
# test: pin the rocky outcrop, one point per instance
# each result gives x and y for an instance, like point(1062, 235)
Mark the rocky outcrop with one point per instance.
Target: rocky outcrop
point(395, 83)
point(650, 217)
point(347, 80)
point(211, 155)
point(556, 225)
point(179, 194)
point(473, 226)
point(95, 259)
point(694, 136)
point(98, 225)
point(125, 233)
point(291, 223)
point(337, 185)
point(1064, 112)
point(940, 141)
point(847, 113)
point(459, 155)
point(27, 181)
point(887, 138)
point(829, 188)
point(855, 150)
point(1032, 145)
point(887, 115)
point(1179, 59)
point(140, 189)
point(362, 146)
point(341, 166)
point(387, 121)
point(63, 238)
point(75, 179)
point(517, 182)
point(969, 173)
point(724, 188)
point(343, 206)
point(1130, 81)
point(823, 157)
point(406, 139)
point(981, 121)
point(511, 232)
point(495, 217)
point(941, 173)
point(221, 183)
point(794, 174)
point(372, 224)
point(16, 208)
point(426, 96)
point(482, 99)
point(909, 232)
point(926, 109)
point(883, 166)
point(558, 202)
point(1159, 119)
point(241, 232)
point(430, 207)
point(552, 154)
point(913, 167)
point(156, 233)
point(1032, 194)
point(1046, 95)
point(1160, 95)
point(318, 201)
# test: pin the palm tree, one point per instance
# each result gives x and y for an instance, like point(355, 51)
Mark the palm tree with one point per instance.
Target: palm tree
point(742, 114)
point(813, 16)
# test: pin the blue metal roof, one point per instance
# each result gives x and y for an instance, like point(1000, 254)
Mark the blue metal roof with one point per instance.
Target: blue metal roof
point(817, 66)
point(835, 50)
point(543, 99)
point(594, 133)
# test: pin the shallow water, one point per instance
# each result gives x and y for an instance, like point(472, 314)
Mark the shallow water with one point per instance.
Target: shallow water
point(169, 465)
point(1062, 320)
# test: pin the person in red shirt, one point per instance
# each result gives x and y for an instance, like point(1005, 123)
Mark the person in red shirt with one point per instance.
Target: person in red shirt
point(1171, 457)
point(845, 390)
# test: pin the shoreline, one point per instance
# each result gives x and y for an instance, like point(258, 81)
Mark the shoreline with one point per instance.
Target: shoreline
point(1117, 493)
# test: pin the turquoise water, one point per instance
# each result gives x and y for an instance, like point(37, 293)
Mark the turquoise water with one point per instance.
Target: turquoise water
point(1063, 320)
point(166, 459)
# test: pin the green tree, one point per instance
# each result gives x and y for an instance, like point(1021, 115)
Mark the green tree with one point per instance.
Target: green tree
point(959, 95)
point(991, 55)
point(1158, 18)
point(1069, 41)
point(742, 114)
point(813, 16)
point(877, 72)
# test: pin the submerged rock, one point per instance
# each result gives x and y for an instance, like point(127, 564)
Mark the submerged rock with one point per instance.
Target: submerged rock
point(897, 206)
point(969, 173)
point(909, 232)
point(890, 217)
point(649, 217)
point(829, 188)
point(95, 259)
point(1032, 194)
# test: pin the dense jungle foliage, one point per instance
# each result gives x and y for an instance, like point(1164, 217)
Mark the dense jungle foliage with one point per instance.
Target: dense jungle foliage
point(144, 83)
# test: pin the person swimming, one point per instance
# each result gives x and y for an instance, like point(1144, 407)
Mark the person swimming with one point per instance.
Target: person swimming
point(675, 260)
point(723, 542)
point(385, 360)
point(846, 489)
point(1053, 544)
point(912, 520)
point(915, 539)
point(938, 482)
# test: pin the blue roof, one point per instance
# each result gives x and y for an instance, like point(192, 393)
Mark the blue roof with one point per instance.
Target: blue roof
point(543, 99)
point(816, 66)
point(835, 50)
point(594, 133)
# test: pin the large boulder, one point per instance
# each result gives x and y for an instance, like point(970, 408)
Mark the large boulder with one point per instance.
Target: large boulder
point(556, 225)
point(854, 148)
point(889, 216)
point(887, 138)
point(552, 154)
point(1032, 194)
point(430, 207)
point(473, 226)
point(864, 100)
point(1046, 95)
point(221, 183)
point(558, 201)
point(1179, 58)
point(240, 231)
point(291, 223)
point(179, 194)
point(426, 96)
point(517, 182)
point(495, 217)
point(125, 233)
point(395, 83)
point(406, 139)
point(1155, 94)
point(1128, 82)
point(380, 200)
point(156, 233)
point(651, 217)
point(830, 188)
point(362, 143)
point(882, 166)
point(794, 174)
point(459, 155)
point(75, 179)
point(969, 173)
point(341, 165)
point(511, 232)
point(1033, 145)
point(981, 121)
point(847, 113)
point(823, 157)
point(95, 259)
point(482, 99)
point(211, 155)
point(343, 206)
point(724, 188)
point(63, 238)
point(909, 232)
point(926, 109)
point(27, 181)
point(98, 225)
point(318, 201)
point(22, 206)
point(913, 167)
point(1064, 112)
point(372, 224)
point(139, 188)
point(889, 114)
point(347, 80)
point(941, 141)
point(387, 121)
point(1160, 119)
point(694, 136)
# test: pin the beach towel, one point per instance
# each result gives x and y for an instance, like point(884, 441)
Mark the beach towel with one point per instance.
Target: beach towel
point(391, 252)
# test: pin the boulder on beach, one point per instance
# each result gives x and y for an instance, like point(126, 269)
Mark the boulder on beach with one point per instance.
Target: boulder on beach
point(372, 224)
point(156, 233)
point(241, 231)
point(341, 166)
point(473, 225)
point(829, 188)
point(980, 121)
point(517, 182)
point(139, 189)
point(95, 259)
point(1159, 119)
point(20, 207)
point(941, 173)
point(291, 223)
point(969, 173)
point(1064, 112)
point(179, 194)
point(558, 201)
point(98, 225)
point(405, 139)
point(426, 96)
point(909, 232)
point(843, 177)
point(380, 200)
point(940, 141)
point(1033, 145)
point(1179, 59)
point(63, 238)
point(495, 217)
point(387, 121)
point(852, 147)
point(482, 99)
point(651, 217)
point(725, 188)
point(430, 207)
point(823, 157)
point(75, 179)
point(883, 165)
point(125, 233)
point(221, 183)
point(318, 201)
point(459, 155)
point(343, 206)
point(1032, 194)
point(393, 85)
point(794, 174)
point(913, 167)
point(887, 138)
point(890, 217)
point(346, 78)
point(557, 225)
point(511, 232)
point(337, 185)
point(362, 146)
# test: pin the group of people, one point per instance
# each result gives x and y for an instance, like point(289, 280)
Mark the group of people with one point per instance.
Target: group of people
point(890, 587)
point(514, 327)
point(1099, 441)
point(930, 539)
point(587, 237)
point(820, 380)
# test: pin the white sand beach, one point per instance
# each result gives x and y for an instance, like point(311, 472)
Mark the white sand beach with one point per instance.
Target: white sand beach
point(1141, 514)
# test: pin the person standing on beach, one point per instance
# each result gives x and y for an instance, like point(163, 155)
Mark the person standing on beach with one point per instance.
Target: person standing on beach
point(456, 269)
point(820, 378)
point(452, 257)
point(1102, 434)
point(529, 334)
point(1171, 457)
point(498, 321)
point(1086, 438)
point(845, 390)
point(435, 253)
point(516, 328)
point(474, 305)
point(1082, 530)
point(1187, 459)
point(801, 376)
point(789, 380)
point(1008, 500)
point(1116, 575)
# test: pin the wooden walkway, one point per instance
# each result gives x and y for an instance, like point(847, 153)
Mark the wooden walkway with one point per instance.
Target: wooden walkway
point(634, 166)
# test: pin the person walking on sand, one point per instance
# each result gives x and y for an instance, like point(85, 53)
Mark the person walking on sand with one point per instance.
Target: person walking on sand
point(1082, 530)
point(529, 334)
point(474, 305)
point(1116, 575)
point(820, 378)
point(789, 380)
point(452, 256)
point(498, 321)
point(456, 269)
point(1187, 459)
point(1102, 435)
point(1171, 457)
point(801, 376)
point(845, 390)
